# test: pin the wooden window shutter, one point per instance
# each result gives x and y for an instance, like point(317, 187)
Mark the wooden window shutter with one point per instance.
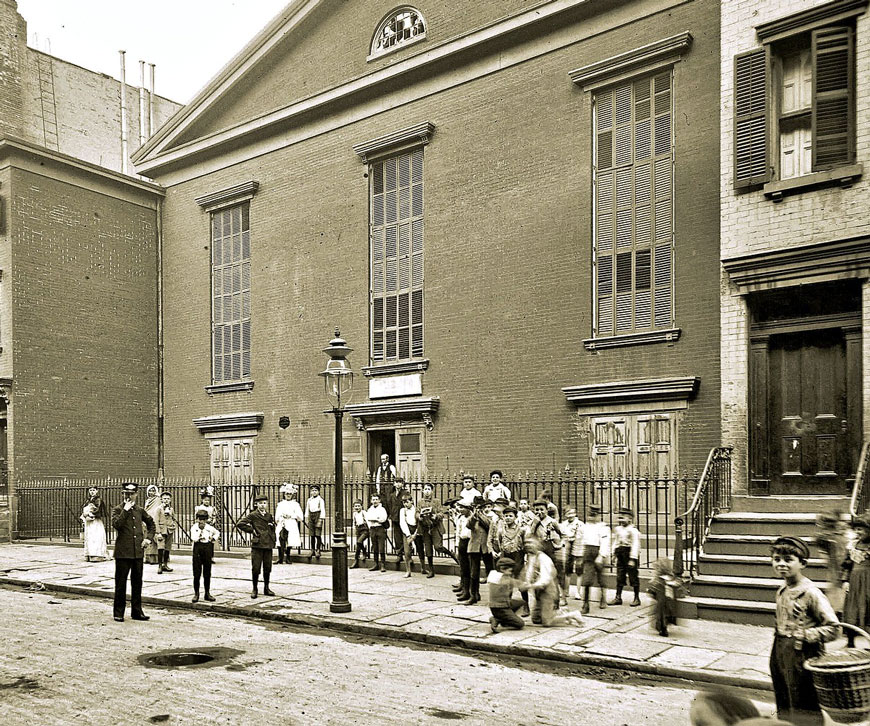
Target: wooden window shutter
point(751, 81)
point(833, 116)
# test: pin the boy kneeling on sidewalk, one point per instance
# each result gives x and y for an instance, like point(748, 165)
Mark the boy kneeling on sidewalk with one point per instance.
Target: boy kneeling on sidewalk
point(501, 588)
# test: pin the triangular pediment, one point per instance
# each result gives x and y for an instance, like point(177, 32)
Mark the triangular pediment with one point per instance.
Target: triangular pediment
point(316, 52)
point(226, 99)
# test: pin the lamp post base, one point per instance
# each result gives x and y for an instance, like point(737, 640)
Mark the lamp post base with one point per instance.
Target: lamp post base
point(339, 602)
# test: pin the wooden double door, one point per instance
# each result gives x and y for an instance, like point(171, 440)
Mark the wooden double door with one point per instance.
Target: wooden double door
point(805, 411)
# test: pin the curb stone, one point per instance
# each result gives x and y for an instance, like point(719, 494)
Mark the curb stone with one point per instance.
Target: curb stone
point(327, 622)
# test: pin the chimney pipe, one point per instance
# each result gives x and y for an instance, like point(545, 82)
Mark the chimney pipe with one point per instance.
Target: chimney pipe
point(141, 102)
point(123, 113)
point(151, 103)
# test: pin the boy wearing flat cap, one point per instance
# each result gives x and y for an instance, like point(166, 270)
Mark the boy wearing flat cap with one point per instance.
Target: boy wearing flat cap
point(261, 524)
point(130, 541)
point(805, 621)
point(626, 552)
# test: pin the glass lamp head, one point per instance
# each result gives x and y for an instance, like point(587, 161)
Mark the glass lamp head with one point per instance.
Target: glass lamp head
point(338, 376)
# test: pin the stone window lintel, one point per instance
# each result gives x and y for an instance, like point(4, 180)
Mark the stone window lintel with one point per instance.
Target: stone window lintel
point(635, 62)
point(228, 196)
point(395, 142)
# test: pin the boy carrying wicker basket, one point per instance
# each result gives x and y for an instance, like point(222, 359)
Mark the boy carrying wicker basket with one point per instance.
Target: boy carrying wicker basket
point(805, 621)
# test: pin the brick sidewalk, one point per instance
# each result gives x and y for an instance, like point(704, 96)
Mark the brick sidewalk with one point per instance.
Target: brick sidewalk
point(416, 608)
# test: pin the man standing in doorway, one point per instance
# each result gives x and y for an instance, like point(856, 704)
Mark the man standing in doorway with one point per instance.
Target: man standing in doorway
point(385, 474)
point(130, 541)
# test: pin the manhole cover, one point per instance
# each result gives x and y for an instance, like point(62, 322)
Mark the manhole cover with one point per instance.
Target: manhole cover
point(178, 660)
point(206, 657)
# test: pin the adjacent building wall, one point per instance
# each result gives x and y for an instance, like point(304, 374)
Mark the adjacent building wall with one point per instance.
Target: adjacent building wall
point(752, 223)
point(82, 282)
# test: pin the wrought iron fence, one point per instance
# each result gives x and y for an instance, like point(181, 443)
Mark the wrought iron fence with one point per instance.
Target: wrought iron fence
point(712, 495)
point(50, 509)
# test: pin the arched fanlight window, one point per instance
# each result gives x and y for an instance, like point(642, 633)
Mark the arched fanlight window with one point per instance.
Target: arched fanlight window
point(402, 26)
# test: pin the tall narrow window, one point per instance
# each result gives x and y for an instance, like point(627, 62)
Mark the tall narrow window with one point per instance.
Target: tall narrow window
point(231, 294)
point(397, 257)
point(633, 173)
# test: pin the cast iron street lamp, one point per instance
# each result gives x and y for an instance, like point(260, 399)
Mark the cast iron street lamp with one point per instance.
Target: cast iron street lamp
point(338, 381)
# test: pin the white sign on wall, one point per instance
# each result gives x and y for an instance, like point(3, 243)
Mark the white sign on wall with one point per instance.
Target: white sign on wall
point(393, 386)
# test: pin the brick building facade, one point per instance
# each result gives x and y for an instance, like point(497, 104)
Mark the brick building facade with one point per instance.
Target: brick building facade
point(795, 218)
point(78, 274)
point(549, 168)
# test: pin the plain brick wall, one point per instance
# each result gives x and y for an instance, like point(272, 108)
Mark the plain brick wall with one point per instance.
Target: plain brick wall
point(83, 283)
point(751, 223)
point(507, 267)
point(88, 111)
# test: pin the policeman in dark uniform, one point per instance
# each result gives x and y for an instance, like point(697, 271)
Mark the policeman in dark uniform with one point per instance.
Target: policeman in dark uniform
point(130, 541)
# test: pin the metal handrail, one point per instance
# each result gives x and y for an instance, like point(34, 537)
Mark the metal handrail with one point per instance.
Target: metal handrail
point(858, 486)
point(702, 486)
point(713, 492)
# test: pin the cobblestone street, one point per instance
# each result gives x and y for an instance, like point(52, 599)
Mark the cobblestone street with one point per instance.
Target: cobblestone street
point(421, 610)
point(65, 661)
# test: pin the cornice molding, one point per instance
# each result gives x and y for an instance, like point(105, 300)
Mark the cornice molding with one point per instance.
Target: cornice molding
point(640, 60)
point(392, 369)
point(671, 335)
point(654, 389)
point(809, 19)
point(421, 409)
point(52, 164)
point(821, 262)
point(230, 195)
point(396, 141)
point(229, 422)
point(849, 321)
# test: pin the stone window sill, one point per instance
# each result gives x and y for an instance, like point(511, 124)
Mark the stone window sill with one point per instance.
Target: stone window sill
point(392, 369)
point(229, 387)
point(844, 176)
point(671, 335)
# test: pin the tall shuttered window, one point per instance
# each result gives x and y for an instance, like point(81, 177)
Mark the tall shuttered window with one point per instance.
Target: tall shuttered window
point(397, 257)
point(231, 293)
point(807, 83)
point(634, 210)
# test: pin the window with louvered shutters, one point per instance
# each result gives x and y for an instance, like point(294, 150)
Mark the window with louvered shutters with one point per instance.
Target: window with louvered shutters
point(397, 257)
point(751, 165)
point(231, 293)
point(633, 172)
point(833, 111)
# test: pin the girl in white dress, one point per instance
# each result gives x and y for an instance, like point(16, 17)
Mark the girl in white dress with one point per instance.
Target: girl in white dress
point(93, 517)
point(288, 515)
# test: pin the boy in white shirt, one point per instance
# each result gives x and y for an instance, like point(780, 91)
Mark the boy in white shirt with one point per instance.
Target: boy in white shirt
point(376, 516)
point(469, 492)
point(361, 529)
point(496, 488)
point(203, 536)
point(626, 552)
point(594, 538)
point(315, 515)
point(408, 527)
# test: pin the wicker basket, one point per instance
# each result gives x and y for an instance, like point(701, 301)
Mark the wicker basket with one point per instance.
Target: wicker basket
point(842, 680)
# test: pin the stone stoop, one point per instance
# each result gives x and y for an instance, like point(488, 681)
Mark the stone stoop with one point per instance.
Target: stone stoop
point(735, 581)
